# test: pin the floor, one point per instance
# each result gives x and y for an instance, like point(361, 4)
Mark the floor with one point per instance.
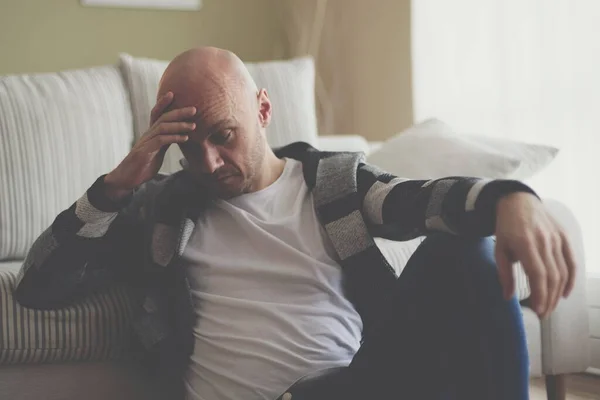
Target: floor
point(580, 387)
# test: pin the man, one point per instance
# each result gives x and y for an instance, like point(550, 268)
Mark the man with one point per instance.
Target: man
point(258, 270)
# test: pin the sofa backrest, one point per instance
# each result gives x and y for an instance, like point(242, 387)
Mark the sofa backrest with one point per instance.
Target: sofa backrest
point(58, 133)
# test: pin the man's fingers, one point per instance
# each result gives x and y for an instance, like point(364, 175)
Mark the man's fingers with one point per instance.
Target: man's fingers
point(533, 265)
point(563, 272)
point(553, 274)
point(169, 128)
point(569, 259)
point(178, 114)
point(161, 104)
point(505, 272)
point(165, 140)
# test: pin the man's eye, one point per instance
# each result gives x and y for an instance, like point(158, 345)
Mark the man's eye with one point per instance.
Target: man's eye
point(221, 137)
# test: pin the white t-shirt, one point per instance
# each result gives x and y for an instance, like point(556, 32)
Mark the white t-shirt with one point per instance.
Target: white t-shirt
point(268, 294)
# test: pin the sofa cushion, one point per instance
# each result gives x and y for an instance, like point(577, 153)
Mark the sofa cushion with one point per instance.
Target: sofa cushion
point(429, 151)
point(289, 84)
point(97, 328)
point(58, 133)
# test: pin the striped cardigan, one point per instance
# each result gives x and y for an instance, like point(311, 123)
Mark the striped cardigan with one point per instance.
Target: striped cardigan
point(140, 240)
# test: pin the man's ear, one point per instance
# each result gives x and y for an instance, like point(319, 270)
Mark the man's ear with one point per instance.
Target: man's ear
point(264, 108)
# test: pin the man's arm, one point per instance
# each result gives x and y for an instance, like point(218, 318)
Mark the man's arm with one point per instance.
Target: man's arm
point(99, 238)
point(402, 209)
point(90, 244)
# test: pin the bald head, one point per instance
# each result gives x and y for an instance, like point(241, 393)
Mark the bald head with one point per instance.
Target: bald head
point(205, 72)
point(227, 151)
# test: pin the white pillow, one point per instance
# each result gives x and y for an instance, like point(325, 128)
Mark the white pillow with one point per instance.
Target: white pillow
point(289, 84)
point(58, 133)
point(533, 157)
point(429, 151)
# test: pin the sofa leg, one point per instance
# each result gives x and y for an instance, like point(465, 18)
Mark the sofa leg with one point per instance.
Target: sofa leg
point(556, 387)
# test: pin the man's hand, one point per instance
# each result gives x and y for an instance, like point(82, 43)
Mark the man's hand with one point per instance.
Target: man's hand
point(526, 232)
point(146, 157)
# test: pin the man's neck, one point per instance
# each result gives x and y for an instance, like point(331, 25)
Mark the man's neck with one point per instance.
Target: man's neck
point(273, 168)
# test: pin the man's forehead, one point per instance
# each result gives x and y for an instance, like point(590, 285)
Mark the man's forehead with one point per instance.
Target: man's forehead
point(198, 94)
point(217, 102)
point(210, 104)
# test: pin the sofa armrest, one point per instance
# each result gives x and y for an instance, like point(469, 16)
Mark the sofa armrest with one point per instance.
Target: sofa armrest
point(565, 333)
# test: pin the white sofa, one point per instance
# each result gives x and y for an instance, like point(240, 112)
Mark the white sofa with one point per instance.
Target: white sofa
point(58, 132)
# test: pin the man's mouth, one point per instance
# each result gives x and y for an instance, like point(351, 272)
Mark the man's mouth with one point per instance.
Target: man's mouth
point(225, 178)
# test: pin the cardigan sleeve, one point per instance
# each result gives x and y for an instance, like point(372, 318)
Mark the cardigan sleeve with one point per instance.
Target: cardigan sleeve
point(402, 209)
point(89, 245)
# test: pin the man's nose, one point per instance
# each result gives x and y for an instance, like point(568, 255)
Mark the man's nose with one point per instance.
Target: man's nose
point(211, 161)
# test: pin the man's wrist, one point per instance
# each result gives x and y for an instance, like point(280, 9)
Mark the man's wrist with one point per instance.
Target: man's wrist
point(501, 189)
point(113, 191)
point(491, 196)
point(98, 196)
point(509, 198)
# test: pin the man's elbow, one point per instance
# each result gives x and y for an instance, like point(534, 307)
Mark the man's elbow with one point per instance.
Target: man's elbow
point(39, 298)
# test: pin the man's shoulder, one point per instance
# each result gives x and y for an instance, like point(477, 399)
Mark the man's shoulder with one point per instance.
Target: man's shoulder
point(321, 168)
point(305, 152)
point(150, 192)
point(295, 150)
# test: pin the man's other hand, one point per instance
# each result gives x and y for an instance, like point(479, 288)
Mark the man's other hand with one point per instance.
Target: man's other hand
point(526, 232)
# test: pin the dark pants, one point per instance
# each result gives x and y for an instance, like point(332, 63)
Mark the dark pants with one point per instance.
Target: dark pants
point(447, 334)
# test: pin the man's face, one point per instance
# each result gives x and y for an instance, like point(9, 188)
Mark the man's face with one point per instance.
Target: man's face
point(226, 151)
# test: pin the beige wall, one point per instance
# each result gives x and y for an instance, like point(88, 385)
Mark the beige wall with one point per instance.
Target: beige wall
point(50, 35)
point(364, 62)
point(381, 78)
point(364, 56)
